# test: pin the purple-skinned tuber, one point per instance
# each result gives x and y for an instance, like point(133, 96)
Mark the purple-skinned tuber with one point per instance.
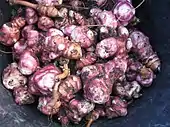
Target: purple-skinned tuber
point(22, 96)
point(28, 63)
point(104, 18)
point(88, 59)
point(143, 48)
point(83, 35)
point(31, 17)
point(44, 23)
point(44, 79)
point(78, 109)
point(32, 37)
point(57, 46)
point(116, 107)
point(69, 86)
point(12, 77)
point(19, 48)
point(124, 12)
point(26, 29)
point(44, 107)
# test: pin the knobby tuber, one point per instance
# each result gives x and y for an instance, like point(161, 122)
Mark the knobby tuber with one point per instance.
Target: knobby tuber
point(10, 32)
point(44, 79)
point(26, 29)
point(142, 47)
point(44, 106)
point(124, 12)
point(19, 48)
point(12, 77)
point(83, 35)
point(32, 38)
point(44, 23)
point(70, 86)
point(22, 96)
point(106, 32)
point(78, 109)
point(61, 46)
point(28, 63)
point(104, 18)
point(88, 59)
point(31, 16)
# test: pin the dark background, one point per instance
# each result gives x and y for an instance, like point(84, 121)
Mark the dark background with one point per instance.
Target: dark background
point(151, 110)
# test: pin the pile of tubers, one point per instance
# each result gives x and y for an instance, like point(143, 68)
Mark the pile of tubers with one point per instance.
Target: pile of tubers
point(79, 59)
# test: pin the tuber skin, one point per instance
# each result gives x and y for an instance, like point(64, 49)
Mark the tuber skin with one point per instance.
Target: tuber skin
point(51, 105)
point(142, 47)
point(106, 32)
point(71, 17)
point(12, 77)
point(68, 29)
point(19, 48)
point(31, 16)
point(44, 23)
point(61, 46)
point(32, 37)
point(9, 35)
point(63, 20)
point(88, 59)
point(32, 88)
point(49, 2)
point(26, 29)
point(44, 107)
point(78, 109)
point(127, 90)
point(83, 35)
point(124, 12)
point(145, 77)
point(44, 79)
point(18, 22)
point(50, 11)
point(69, 86)
point(95, 85)
point(98, 79)
point(78, 58)
point(116, 107)
point(28, 63)
point(98, 93)
point(110, 47)
point(76, 4)
point(106, 48)
point(123, 32)
point(10, 32)
point(54, 32)
point(22, 96)
point(104, 18)
point(134, 67)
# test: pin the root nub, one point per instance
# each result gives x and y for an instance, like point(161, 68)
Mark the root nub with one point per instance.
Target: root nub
point(18, 22)
point(154, 63)
point(47, 10)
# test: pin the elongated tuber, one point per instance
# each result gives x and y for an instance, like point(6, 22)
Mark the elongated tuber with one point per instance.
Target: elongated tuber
point(31, 16)
point(142, 47)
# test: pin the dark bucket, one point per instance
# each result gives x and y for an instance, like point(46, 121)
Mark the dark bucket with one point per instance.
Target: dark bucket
point(152, 110)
